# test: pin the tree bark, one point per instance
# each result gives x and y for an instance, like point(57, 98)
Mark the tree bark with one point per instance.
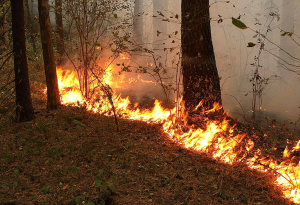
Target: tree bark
point(200, 76)
point(138, 22)
point(24, 110)
point(59, 31)
point(159, 26)
point(30, 27)
point(3, 27)
point(53, 99)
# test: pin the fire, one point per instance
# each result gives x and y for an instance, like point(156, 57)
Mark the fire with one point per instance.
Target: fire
point(124, 56)
point(150, 64)
point(69, 86)
point(286, 153)
point(297, 147)
point(218, 138)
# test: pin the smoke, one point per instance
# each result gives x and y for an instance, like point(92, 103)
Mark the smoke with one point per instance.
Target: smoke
point(277, 95)
point(33, 7)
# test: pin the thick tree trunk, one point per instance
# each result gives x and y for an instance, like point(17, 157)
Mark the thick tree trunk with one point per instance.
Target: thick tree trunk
point(200, 76)
point(59, 30)
point(53, 99)
point(24, 111)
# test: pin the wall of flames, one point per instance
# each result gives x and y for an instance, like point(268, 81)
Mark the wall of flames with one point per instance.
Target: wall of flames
point(217, 139)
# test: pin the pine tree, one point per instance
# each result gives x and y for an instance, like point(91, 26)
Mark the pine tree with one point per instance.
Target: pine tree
point(200, 75)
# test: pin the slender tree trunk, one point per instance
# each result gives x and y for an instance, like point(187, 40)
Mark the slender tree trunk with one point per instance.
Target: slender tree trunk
point(86, 60)
point(53, 99)
point(3, 28)
point(287, 25)
point(200, 76)
point(30, 27)
point(59, 30)
point(24, 110)
point(138, 22)
point(160, 8)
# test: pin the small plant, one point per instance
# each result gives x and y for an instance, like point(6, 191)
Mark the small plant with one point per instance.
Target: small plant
point(45, 189)
point(3, 186)
point(17, 172)
point(100, 181)
point(78, 199)
point(15, 184)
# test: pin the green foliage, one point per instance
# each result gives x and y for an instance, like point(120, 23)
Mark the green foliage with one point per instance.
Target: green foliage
point(111, 186)
point(78, 123)
point(17, 172)
point(15, 184)
point(45, 189)
point(101, 172)
point(100, 183)
point(238, 23)
point(3, 186)
point(78, 199)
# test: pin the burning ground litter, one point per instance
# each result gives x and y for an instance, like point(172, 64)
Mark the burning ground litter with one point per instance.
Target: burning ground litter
point(214, 136)
point(71, 155)
point(113, 168)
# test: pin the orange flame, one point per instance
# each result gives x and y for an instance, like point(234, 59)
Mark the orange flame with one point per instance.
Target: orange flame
point(286, 153)
point(218, 138)
point(124, 56)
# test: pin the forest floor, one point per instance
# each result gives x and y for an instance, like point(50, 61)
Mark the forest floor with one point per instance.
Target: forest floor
point(72, 156)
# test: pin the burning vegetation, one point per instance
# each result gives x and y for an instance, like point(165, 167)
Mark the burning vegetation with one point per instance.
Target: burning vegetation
point(217, 136)
point(191, 117)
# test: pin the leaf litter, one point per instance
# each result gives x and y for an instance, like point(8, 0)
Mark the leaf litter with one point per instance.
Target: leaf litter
point(72, 156)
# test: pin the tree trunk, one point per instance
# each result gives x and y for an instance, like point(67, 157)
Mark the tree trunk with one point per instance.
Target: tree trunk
point(286, 43)
point(200, 76)
point(160, 8)
point(3, 28)
point(59, 31)
point(30, 27)
point(85, 51)
point(24, 111)
point(138, 22)
point(53, 99)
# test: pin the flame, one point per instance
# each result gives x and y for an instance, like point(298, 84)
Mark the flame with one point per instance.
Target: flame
point(68, 86)
point(286, 153)
point(124, 56)
point(218, 138)
point(297, 147)
point(150, 64)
